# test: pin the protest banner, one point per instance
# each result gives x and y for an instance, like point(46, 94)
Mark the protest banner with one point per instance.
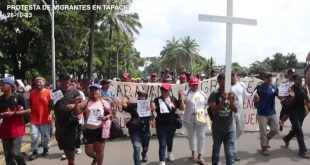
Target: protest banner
point(129, 90)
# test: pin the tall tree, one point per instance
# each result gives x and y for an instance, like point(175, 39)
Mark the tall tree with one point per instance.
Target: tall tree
point(169, 54)
point(120, 22)
point(191, 48)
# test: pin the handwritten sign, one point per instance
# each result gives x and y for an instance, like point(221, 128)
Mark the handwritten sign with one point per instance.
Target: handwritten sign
point(94, 117)
point(57, 95)
point(143, 108)
point(284, 89)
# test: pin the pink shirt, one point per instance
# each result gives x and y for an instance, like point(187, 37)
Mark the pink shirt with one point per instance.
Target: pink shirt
point(91, 105)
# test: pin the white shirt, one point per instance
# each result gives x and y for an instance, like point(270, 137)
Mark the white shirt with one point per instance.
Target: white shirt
point(195, 102)
point(241, 93)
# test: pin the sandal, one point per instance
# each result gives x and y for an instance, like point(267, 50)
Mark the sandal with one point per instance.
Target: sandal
point(192, 158)
point(200, 161)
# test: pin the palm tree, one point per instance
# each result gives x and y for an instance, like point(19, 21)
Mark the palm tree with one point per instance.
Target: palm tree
point(191, 47)
point(169, 54)
point(120, 22)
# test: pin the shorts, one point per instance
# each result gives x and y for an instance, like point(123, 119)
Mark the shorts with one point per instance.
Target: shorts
point(66, 139)
point(93, 135)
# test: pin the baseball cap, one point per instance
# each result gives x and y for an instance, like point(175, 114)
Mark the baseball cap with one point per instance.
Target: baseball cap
point(268, 74)
point(126, 76)
point(166, 86)
point(182, 76)
point(105, 81)
point(97, 86)
point(194, 81)
point(8, 80)
point(153, 75)
point(291, 71)
point(220, 76)
point(143, 93)
point(64, 77)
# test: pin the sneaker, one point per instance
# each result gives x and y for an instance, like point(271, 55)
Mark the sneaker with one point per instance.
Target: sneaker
point(45, 152)
point(237, 158)
point(63, 157)
point(78, 151)
point(162, 163)
point(170, 156)
point(144, 157)
point(286, 143)
point(33, 156)
point(265, 151)
point(304, 155)
point(94, 162)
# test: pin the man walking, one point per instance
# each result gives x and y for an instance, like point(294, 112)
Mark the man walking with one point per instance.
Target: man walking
point(222, 106)
point(41, 117)
point(266, 112)
point(66, 123)
point(239, 90)
point(12, 129)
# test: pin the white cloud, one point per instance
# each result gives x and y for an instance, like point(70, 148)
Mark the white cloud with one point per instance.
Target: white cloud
point(282, 27)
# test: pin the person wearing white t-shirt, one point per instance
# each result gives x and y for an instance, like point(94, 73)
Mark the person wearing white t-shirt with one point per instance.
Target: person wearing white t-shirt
point(195, 102)
point(239, 89)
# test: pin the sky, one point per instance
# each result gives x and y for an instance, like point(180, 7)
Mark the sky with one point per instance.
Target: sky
point(282, 26)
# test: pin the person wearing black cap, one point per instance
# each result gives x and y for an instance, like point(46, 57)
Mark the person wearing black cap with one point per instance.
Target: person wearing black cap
point(222, 105)
point(12, 129)
point(66, 123)
point(138, 127)
point(264, 101)
point(296, 115)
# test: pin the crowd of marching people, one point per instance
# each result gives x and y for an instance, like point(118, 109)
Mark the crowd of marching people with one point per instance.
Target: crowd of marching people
point(85, 109)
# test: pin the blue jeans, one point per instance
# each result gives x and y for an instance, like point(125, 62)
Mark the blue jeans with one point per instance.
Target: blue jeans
point(37, 131)
point(137, 139)
point(165, 135)
point(228, 139)
point(11, 148)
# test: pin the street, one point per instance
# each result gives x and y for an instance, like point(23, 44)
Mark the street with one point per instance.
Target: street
point(119, 152)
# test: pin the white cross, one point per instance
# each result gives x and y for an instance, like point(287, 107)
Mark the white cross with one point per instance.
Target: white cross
point(229, 20)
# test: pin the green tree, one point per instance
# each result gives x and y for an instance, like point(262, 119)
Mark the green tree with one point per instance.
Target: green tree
point(291, 61)
point(120, 22)
point(258, 67)
point(169, 56)
point(236, 67)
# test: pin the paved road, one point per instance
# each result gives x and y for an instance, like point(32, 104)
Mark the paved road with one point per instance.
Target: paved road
point(119, 152)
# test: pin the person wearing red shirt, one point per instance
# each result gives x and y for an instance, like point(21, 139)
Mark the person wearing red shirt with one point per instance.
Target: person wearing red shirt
point(12, 128)
point(41, 117)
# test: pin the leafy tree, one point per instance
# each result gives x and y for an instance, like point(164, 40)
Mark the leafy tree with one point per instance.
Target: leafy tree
point(169, 54)
point(291, 61)
point(120, 22)
point(258, 67)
